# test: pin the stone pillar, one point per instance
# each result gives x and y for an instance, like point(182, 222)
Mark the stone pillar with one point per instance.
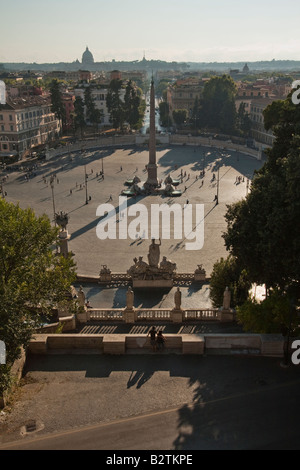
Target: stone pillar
point(152, 180)
point(105, 275)
point(199, 274)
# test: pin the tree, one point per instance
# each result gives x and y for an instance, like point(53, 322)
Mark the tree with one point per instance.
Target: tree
point(57, 105)
point(272, 315)
point(114, 104)
point(164, 112)
point(33, 279)
point(218, 104)
point(93, 114)
point(228, 273)
point(78, 115)
point(196, 113)
point(262, 230)
point(161, 88)
point(243, 120)
point(179, 116)
point(133, 109)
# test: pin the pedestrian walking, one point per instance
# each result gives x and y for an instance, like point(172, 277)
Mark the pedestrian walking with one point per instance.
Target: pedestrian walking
point(160, 341)
point(152, 334)
point(110, 197)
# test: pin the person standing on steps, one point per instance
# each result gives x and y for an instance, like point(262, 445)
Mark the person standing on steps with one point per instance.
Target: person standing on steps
point(160, 341)
point(152, 334)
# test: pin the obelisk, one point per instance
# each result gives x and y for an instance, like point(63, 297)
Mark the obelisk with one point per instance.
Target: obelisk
point(152, 181)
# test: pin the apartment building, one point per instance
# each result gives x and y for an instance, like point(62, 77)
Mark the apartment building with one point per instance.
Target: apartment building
point(182, 94)
point(26, 123)
point(99, 95)
point(75, 76)
point(68, 100)
point(258, 131)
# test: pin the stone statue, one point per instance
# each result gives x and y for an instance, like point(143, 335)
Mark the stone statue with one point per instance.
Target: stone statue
point(81, 297)
point(105, 269)
point(141, 266)
point(129, 298)
point(177, 298)
point(169, 189)
point(167, 266)
point(154, 253)
point(62, 219)
point(226, 299)
point(168, 180)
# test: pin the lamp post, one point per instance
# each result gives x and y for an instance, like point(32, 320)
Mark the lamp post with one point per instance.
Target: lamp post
point(85, 182)
point(218, 182)
point(53, 202)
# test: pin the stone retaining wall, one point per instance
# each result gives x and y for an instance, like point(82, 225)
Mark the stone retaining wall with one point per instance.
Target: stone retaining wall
point(143, 140)
point(265, 345)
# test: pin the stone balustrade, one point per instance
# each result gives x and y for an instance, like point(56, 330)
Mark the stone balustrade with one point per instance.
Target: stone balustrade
point(150, 314)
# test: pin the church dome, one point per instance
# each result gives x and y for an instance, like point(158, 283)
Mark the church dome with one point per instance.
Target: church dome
point(87, 57)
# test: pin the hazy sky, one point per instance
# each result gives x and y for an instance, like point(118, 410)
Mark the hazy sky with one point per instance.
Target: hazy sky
point(191, 30)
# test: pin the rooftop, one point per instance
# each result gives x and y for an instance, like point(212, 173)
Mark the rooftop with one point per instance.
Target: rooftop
point(26, 102)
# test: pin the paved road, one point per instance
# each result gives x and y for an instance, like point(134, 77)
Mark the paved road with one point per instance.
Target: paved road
point(156, 403)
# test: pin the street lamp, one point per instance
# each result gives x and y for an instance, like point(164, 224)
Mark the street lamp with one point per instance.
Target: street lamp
point(53, 202)
point(218, 182)
point(85, 182)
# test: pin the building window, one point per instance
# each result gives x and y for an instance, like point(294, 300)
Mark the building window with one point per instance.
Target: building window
point(11, 128)
point(10, 117)
point(2, 128)
point(1, 117)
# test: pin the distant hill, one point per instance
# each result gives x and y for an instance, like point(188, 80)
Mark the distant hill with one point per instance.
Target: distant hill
point(154, 65)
